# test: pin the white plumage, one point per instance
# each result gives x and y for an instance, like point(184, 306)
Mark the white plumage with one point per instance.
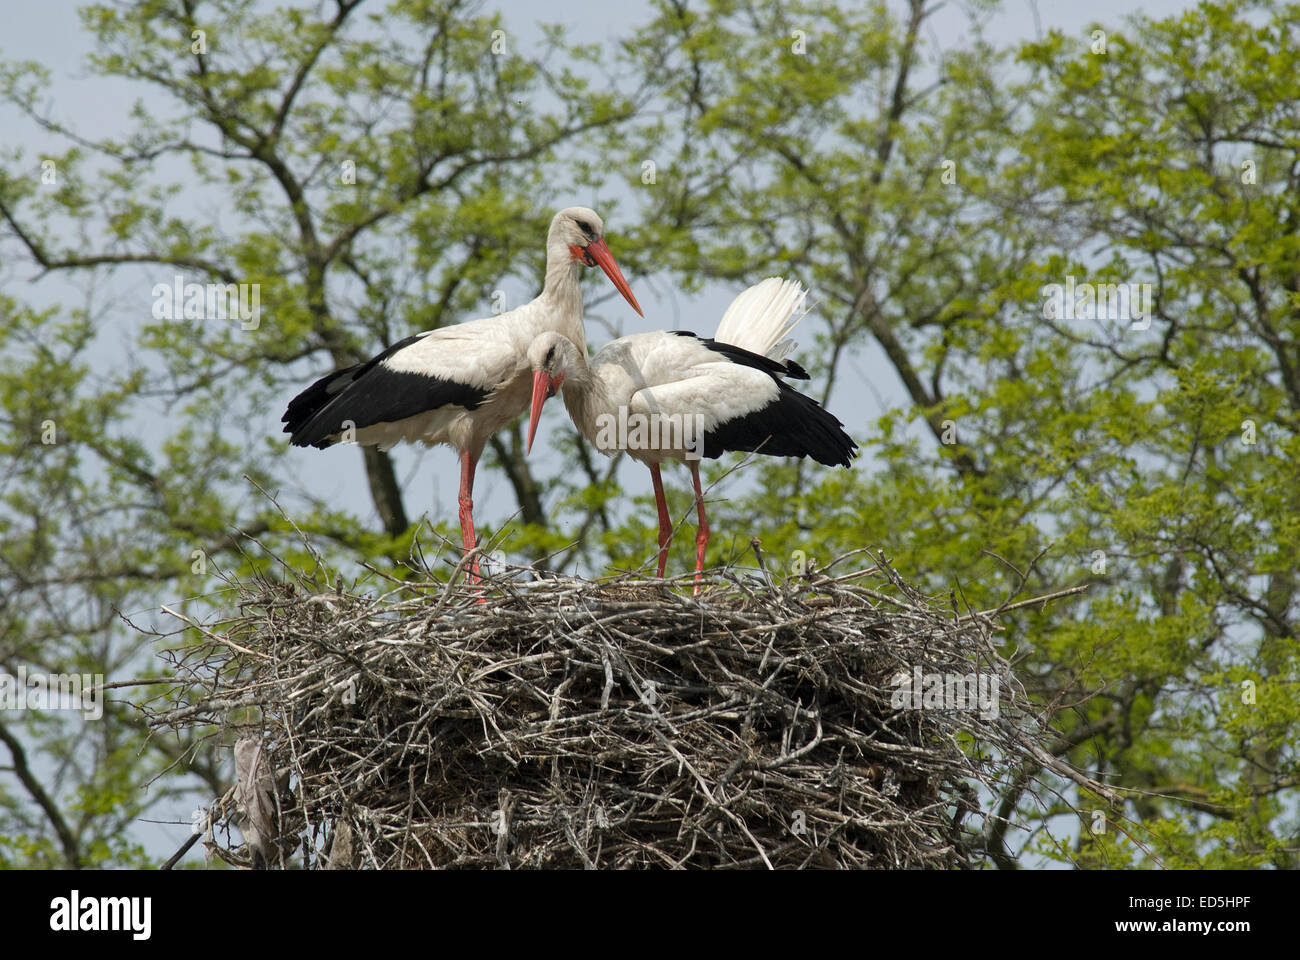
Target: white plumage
point(762, 316)
point(458, 385)
point(693, 396)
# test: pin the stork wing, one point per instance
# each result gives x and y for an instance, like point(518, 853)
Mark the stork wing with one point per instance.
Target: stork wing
point(457, 365)
point(762, 315)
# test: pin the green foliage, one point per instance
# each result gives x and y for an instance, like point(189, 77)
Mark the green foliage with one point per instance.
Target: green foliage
point(926, 197)
point(1170, 450)
point(370, 171)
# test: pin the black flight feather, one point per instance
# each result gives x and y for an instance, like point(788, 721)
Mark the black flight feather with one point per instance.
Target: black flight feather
point(792, 425)
point(780, 368)
point(370, 393)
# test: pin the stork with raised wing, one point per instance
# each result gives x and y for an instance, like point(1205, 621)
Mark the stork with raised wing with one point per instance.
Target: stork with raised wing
point(460, 384)
point(672, 395)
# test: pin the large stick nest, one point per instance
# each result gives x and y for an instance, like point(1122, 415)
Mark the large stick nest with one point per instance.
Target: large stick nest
point(624, 723)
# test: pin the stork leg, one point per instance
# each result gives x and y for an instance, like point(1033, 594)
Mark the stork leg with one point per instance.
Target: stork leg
point(702, 535)
point(665, 525)
point(467, 465)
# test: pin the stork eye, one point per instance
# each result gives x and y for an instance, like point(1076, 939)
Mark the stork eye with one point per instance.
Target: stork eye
point(585, 227)
point(550, 355)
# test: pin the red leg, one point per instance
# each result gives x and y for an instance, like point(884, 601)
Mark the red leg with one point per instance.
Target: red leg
point(467, 465)
point(665, 525)
point(702, 535)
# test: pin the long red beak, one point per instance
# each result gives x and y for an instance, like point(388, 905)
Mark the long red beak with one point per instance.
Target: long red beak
point(599, 251)
point(542, 389)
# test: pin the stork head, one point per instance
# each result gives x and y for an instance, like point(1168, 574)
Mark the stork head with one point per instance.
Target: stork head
point(582, 232)
point(552, 358)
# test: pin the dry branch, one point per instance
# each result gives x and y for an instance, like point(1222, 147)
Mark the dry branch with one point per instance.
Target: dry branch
point(621, 723)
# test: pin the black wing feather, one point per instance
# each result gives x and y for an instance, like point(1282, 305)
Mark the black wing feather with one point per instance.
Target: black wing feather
point(792, 425)
point(778, 368)
point(370, 393)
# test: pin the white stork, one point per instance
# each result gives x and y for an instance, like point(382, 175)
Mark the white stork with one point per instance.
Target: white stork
point(460, 384)
point(671, 395)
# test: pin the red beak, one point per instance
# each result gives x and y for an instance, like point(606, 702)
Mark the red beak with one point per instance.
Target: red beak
point(599, 251)
point(543, 388)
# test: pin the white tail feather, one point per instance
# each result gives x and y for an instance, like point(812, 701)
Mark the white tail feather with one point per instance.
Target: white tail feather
point(760, 317)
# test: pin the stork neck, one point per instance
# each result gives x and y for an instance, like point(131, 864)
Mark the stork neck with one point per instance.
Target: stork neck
point(584, 396)
point(563, 293)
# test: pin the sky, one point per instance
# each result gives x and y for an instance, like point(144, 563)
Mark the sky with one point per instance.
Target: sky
point(49, 32)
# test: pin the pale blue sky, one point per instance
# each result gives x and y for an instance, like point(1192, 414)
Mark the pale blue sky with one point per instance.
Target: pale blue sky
point(49, 32)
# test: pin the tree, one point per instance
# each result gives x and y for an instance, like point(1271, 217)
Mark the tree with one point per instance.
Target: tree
point(948, 209)
point(930, 211)
point(368, 174)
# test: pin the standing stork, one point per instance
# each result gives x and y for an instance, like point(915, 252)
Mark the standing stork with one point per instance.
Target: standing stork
point(672, 395)
point(460, 384)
